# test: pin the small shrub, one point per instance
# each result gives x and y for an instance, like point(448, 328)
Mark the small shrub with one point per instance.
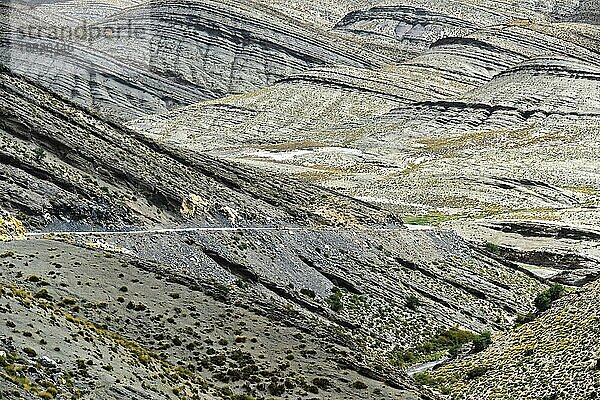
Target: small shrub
point(425, 379)
point(30, 352)
point(413, 302)
point(312, 389)
point(322, 383)
point(523, 319)
point(335, 300)
point(492, 248)
point(40, 154)
point(308, 293)
point(544, 300)
point(476, 372)
point(68, 301)
point(359, 385)
point(43, 294)
point(400, 358)
point(276, 389)
point(482, 342)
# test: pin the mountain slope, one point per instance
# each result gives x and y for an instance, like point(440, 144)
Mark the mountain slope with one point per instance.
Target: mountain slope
point(555, 356)
point(341, 267)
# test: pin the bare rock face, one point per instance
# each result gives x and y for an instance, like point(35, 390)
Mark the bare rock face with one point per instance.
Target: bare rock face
point(227, 49)
point(127, 60)
point(415, 27)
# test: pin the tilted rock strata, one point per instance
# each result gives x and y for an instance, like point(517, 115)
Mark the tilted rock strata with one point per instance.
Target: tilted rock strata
point(96, 172)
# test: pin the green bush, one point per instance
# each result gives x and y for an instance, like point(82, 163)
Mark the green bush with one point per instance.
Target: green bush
point(544, 300)
point(43, 294)
point(335, 300)
point(40, 154)
point(523, 319)
point(30, 352)
point(445, 340)
point(321, 383)
point(360, 385)
point(492, 248)
point(425, 379)
point(482, 342)
point(476, 372)
point(413, 302)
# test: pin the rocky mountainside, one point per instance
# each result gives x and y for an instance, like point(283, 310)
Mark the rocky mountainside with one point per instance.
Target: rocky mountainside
point(66, 169)
point(312, 199)
point(135, 59)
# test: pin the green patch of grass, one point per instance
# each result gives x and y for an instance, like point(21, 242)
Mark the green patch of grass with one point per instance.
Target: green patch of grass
point(448, 340)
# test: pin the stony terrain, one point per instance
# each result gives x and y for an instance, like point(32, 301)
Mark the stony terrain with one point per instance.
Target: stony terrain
point(558, 351)
point(313, 199)
point(290, 255)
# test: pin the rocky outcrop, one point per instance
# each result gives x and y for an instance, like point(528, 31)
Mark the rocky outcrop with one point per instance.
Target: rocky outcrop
point(416, 28)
